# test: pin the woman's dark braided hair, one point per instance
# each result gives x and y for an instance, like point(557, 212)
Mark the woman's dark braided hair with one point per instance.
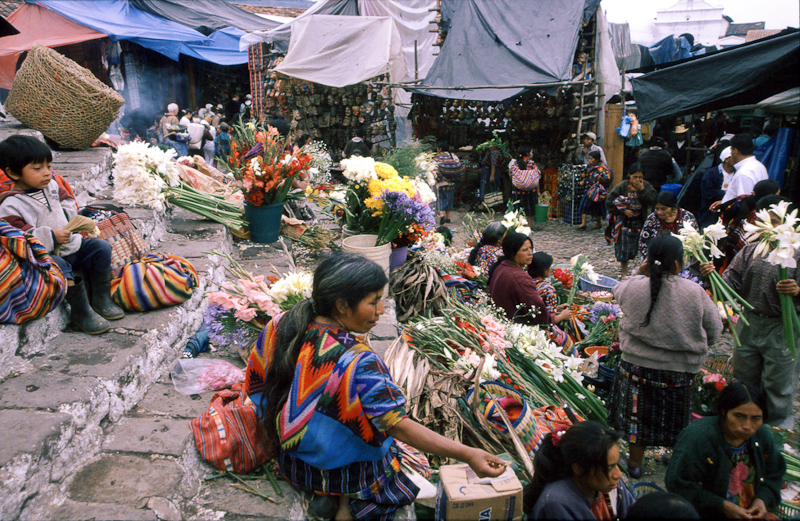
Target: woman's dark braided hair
point(662, 253)
point(341, 277)
point(491, 235)
point(586, 444)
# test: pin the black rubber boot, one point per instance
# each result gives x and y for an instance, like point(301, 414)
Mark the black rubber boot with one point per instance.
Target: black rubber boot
point(100, 282)
point(81, 314)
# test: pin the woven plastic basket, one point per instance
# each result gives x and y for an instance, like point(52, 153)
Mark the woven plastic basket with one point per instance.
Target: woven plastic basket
point(720, 364)
point(642, 488)
point(525, 425)
point(61, 99)
point(603, 284)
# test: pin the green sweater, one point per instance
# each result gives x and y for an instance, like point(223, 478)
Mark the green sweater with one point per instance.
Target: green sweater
point(700, 467)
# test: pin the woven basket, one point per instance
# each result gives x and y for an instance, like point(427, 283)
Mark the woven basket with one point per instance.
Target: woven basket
point(61, 99)
point(720, 364)
point(525, 426)
point(642, 488)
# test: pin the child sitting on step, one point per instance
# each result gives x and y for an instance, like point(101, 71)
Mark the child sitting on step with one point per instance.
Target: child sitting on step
point(37, 205)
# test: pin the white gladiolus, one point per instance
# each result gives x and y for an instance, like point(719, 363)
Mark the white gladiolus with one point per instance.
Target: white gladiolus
point(297, 283)
point(516, 221)
point(141, 174)
point(426, 195)
point(779, 243)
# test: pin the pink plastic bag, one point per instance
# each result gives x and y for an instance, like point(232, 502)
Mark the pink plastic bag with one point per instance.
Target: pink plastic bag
point(197, 375)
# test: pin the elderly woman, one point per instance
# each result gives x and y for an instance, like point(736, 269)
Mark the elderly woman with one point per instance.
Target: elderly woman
point(488, 249)
point(330, 410)
point(666, 218)
point(728, 465)
point(510, 286)
point(667, 326)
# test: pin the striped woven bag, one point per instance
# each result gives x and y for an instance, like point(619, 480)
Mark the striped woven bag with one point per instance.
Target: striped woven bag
point(153, 282)
point(31, 285)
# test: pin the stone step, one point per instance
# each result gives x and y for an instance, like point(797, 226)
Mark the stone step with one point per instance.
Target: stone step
point(66, 387)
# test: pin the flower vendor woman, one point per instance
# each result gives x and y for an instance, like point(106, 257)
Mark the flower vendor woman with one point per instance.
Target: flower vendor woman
point(666, 218)
point(489, 248)
point(628, 203)
point(576, 476)
point(667, 326)
point(510, 286)
point(540, 269)
point(597, 178)
point(330, 409)
point(729, 465)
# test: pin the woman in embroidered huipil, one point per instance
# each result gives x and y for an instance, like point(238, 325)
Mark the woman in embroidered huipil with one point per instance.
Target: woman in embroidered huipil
point(331, 411)
point(489, 248)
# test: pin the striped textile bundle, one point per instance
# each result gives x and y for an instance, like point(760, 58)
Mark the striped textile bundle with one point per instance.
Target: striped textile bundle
point(31, 284)
point(155, 281)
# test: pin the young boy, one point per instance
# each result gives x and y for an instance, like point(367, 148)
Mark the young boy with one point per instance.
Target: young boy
point(38, 206)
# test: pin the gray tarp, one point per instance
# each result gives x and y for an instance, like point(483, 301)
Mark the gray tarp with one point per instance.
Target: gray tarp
point(740, 75)
point(205, 16)
point(504, 42)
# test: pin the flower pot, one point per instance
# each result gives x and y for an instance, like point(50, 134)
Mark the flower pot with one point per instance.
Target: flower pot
point(398, 257)
point(347, 232)
point(364, 245)
point(540, 213)
point(264, 222)
point(605, 372)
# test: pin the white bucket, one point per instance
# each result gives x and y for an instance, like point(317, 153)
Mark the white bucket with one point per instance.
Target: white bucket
point(364, 245)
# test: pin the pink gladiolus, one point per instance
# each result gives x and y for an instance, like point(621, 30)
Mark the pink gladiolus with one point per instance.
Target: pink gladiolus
point(245, 314)
point(220, 298)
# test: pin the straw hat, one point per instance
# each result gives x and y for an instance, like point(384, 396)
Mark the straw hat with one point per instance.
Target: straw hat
point(680, 129)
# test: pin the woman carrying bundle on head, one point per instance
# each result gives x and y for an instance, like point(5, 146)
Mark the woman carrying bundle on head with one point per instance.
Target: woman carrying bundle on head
point(667, 326)
point(331, 412)
point(576, 476)
point(489, 248)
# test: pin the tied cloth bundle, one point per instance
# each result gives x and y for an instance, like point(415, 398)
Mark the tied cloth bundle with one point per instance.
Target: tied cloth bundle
point(81, 224)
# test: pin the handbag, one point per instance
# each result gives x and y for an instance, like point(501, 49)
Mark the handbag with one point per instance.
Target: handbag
point(229, 435)
point(155, 281)
point(126, 243)
point(31, 284)
point(493, 199)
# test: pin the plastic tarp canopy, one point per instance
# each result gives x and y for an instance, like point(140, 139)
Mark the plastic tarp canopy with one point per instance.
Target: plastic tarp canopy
point(741, 75)
point(786, 102)
point(343, 50)
point(774, 154)
point(497, 43)
point(120, 21)
point(222, 48)
point(279, 37)
point(37, 25)
point(205, 16)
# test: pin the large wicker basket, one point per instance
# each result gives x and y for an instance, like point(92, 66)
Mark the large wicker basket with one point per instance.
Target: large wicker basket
point(61, 99)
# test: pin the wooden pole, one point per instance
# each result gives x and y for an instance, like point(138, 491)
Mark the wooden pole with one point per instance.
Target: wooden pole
point(614, 144)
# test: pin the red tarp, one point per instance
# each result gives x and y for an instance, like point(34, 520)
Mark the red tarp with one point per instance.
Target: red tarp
point(37, 25)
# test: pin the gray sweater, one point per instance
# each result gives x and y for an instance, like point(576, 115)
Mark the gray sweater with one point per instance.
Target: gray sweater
point(683, 324)
point(26, 213)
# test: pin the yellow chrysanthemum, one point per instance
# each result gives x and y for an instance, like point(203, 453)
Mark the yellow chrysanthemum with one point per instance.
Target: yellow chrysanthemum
point(386, 171)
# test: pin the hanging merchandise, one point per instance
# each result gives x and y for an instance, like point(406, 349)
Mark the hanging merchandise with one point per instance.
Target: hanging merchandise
point(570, 192)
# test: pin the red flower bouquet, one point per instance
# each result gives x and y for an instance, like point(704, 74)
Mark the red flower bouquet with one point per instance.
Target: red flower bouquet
point(261, 165)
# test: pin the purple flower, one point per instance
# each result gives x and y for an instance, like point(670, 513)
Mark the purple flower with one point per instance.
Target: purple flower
point(603, 309)
point(686, 274)
point(224, 329)
point(408, 210)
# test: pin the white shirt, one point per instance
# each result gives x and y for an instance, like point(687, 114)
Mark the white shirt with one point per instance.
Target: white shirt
point(726, 178)
point(749, 171)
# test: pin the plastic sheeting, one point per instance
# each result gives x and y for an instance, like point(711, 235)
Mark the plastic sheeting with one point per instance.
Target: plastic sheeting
point(279, 37)
point(504, 42)
point(38, 25)
point(343, 50)
point(120, 21)
point(740, 75)
point(222, 48)
point(670, 49)
point(205, 16)
point(774, 154)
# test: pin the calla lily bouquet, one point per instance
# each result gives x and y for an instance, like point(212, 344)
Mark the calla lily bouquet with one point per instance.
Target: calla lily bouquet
point(694, 245)
point(515, 221)
point(780, 244)
point(580, 267)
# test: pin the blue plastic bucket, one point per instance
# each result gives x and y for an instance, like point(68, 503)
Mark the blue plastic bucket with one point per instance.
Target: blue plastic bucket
point(675, 188)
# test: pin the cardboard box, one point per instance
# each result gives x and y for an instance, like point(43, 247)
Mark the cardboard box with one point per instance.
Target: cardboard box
point(463, 496)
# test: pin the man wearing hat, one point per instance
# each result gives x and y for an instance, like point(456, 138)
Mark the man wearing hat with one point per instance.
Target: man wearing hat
point(656, 163)
point(589, 139)
point(682, 155)
point(714, 185)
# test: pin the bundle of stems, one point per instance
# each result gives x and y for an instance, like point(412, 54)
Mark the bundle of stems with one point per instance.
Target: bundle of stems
point(210, 206)
point(78, 224)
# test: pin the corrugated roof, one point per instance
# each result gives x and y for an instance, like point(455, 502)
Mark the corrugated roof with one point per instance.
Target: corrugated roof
point(288, 12)
point(742, 29)
point(760, 33)
point(9, 6)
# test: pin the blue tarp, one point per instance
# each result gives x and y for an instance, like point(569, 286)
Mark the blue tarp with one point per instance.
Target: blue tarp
point(222, 49)
point(670, 49)
point(121, 21)
point(774, 154)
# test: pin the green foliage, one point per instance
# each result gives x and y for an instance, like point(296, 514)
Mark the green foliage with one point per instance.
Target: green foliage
point(402, 158)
